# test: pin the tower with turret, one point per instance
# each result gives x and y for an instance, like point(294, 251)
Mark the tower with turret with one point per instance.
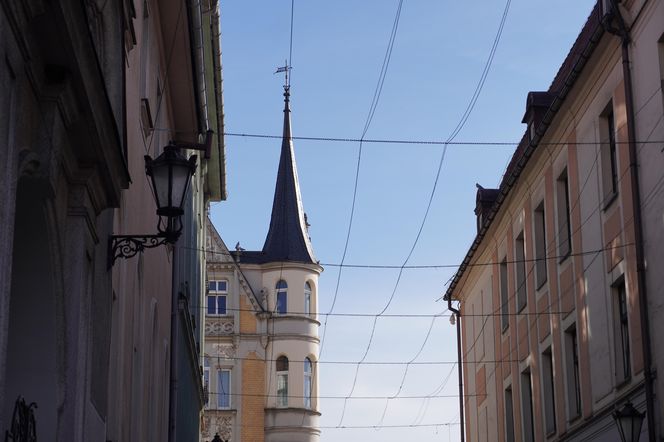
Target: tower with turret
point(261, 329)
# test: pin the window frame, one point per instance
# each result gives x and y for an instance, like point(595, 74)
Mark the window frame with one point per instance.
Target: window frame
point(307, 298)
point(221, 393)
point(539, 232)
point(609, 156)
point(573, 374)
point(623, 369)
point(282, 378)
point(216, 296)
point(548, 392)
point(281, 298)
point(521, 279)
point(504, 295)
point(308, 382)
point(206, 380)
point(563, 216)
point(509, 415)
point(527, 409)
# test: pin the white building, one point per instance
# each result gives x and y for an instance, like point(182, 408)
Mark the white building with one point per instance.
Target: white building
point(261, 327)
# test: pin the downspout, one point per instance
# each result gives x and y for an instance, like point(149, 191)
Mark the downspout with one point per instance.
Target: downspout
point(457, 315)
point(173, 387)
point(623, 33)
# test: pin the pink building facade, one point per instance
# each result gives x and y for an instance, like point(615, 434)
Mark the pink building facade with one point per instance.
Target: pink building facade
point(555, 331)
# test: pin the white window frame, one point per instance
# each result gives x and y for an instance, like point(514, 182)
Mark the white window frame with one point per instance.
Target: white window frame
point(307, 298)
point(282, 380)
point(220, 393)
point(308, 382)
point(217, 295)
point(281, 291)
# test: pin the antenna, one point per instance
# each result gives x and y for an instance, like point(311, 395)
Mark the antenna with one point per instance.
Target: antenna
point(287, 64)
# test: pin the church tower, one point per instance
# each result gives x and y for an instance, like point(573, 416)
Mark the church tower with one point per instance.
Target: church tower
point(261, 328)
point(290, 278)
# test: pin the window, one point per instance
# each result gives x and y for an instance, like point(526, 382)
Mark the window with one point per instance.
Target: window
point(548, 392)
point(572, 370)
point(206, 380)
point(217, 297)
point(282, 298)
point(504, 295)
point(520, 265)
point(308, 369)
point(564, 230)
point(224, 389)
point(527, 407)
point(608, 155)
point(623, 367)
point(540, 245)
point(509, 415)
point(307, 298)
point(282, 381)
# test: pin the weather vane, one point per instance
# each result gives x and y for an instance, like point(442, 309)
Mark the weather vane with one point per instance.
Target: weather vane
point(285, 69)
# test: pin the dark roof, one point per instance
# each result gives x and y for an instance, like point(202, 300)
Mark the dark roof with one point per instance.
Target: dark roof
point(287, 239)
point(562, 83)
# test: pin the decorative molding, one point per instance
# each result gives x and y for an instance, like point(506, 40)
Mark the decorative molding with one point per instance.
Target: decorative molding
point(222, 326)
point(225, 351)
point(217, 423)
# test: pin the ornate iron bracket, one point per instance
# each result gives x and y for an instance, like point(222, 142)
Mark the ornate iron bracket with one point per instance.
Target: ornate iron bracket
point(127, 246)
point(23, 426)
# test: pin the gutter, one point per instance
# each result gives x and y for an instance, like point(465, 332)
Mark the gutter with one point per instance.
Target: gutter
point(624, 34)
point(509, 181)
point(215, 36)
point(195, 16)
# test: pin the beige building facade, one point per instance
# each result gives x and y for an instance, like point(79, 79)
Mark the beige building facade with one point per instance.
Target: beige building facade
point(556, 331)
point(261, 326)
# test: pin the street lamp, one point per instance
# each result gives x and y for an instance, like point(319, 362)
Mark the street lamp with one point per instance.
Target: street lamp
point(170, 174)
point(629, 421)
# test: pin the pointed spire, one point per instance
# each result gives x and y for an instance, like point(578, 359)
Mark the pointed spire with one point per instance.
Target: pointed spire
point(287, 239)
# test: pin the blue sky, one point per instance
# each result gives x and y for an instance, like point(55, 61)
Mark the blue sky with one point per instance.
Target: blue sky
point(439, 53)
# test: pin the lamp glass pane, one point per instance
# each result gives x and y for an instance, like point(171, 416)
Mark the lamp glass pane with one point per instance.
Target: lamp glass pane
point(181, 174)
point(160, 183)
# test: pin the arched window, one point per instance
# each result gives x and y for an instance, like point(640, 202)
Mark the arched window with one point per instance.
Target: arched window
point(282, 381)
point(307, 298)
point(308, 386)
point(282, 297)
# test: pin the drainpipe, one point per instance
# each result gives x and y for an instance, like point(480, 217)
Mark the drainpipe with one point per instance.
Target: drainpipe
point(173, 388)
point(457, 315)
point(623, 33)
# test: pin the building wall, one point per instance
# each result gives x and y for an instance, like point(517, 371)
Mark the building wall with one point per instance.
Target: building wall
point(581, 288)
point(249, 339)
point(62, 172)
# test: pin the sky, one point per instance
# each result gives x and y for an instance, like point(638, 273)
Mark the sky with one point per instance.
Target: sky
point(439, 54)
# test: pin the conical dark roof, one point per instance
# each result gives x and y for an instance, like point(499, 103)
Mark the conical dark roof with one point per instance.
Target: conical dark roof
point(287, 239)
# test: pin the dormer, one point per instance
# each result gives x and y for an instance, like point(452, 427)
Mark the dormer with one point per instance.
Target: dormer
point(483, 204)
point(537, 103)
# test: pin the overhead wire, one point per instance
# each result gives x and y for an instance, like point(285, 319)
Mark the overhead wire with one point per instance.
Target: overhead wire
point(452, 136)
